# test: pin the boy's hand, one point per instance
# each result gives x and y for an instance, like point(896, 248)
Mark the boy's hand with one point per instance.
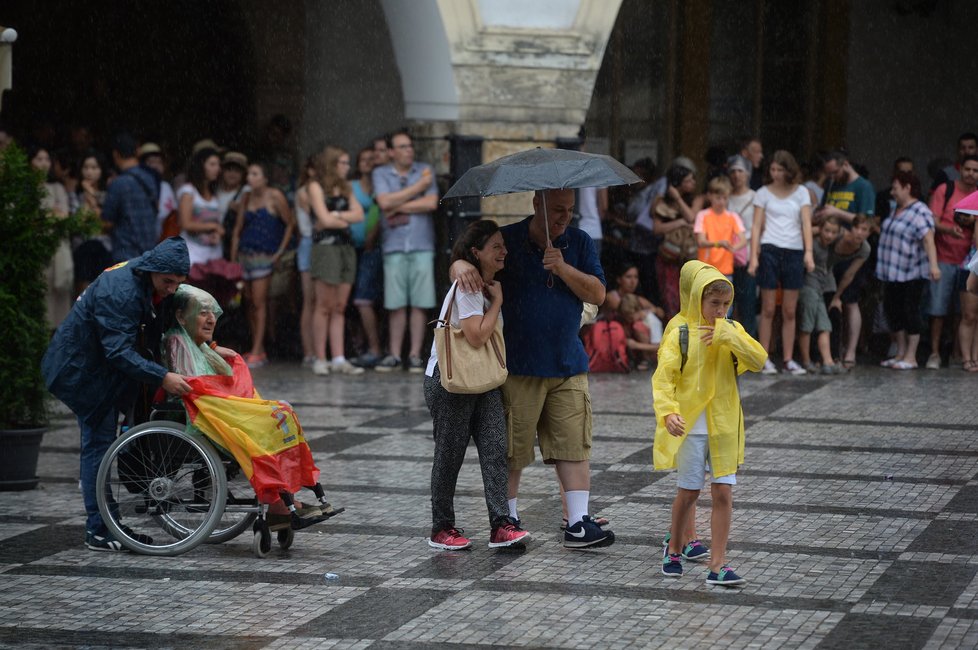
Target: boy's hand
point(706, 334)
point(675, 424)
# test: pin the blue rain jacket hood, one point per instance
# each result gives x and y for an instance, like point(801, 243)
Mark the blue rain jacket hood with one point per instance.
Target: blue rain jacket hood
point(93, 363)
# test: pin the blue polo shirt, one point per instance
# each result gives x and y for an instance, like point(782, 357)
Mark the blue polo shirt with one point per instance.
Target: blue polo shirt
point(541, 323)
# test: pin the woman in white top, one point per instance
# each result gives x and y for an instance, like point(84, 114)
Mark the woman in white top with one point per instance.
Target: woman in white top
point(781, 252)
point(199, 213)
point(457, 418)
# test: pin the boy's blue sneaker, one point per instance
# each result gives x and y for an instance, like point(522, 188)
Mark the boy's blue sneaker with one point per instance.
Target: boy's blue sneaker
point(725, 578)
point(672, 565)
point(695, 551)
point(587, 534)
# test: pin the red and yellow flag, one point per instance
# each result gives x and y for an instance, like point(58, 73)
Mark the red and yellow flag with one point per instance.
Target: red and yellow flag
point(264, 436)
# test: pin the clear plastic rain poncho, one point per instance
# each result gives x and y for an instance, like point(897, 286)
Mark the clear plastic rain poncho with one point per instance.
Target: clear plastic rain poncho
point(181, 353)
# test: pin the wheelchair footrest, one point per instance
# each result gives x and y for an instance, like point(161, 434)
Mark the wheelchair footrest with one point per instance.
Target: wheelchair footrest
point(298, 523)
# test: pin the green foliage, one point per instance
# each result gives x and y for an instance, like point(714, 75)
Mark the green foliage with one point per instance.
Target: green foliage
point(29, 237)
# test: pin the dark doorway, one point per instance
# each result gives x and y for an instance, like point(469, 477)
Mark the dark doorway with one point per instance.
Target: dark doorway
point(173, 72)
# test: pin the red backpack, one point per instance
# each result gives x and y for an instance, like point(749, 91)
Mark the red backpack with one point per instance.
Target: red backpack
point(605, 345)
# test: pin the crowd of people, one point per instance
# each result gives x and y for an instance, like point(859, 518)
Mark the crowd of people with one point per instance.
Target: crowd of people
point(814, 252)
point(821, 260)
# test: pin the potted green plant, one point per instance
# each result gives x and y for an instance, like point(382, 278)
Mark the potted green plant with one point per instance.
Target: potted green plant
point(29, 237)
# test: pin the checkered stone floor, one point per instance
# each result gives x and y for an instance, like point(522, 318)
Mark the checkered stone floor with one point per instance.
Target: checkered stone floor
point(855, 523)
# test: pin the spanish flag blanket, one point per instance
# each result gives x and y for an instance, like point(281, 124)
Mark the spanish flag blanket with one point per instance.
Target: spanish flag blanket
point(264, 436)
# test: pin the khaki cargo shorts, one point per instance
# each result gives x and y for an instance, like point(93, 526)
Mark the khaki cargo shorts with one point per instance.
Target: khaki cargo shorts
point(557, 410)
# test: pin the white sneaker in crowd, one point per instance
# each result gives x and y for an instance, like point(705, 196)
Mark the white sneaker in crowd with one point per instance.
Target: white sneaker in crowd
point(792, 366)
point(320, 367)
point(769, 368)
point(934, 362)
point(345, 368)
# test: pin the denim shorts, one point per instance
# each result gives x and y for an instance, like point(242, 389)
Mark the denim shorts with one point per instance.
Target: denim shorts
point(780, 266)
point(854, 291)
point(303, 255)
point(370, 277)
point(944, 292)
point(693, 464)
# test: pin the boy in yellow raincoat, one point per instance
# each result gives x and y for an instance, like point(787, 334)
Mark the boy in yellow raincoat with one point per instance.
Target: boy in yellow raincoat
point(699, 421)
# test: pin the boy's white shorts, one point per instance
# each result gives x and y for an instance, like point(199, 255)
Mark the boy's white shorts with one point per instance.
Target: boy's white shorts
point(693, 464)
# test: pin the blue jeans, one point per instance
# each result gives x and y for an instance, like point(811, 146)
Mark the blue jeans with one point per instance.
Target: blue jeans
point(745, 299)
point(95, 441)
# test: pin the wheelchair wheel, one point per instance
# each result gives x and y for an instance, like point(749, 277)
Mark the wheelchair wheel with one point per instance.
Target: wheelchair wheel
point(240, 507)
point(156, 476)
point(261, 544)
point(285, 538)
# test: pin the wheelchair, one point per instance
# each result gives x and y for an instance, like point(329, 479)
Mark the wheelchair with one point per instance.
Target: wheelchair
point(163, 492)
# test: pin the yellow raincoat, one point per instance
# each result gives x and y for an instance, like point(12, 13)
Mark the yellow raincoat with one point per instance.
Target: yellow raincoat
point(709, 380)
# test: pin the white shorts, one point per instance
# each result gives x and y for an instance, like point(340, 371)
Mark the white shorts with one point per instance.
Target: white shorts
point(693, 464)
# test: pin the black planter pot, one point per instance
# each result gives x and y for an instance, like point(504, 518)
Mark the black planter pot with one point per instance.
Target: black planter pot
point(19, 449)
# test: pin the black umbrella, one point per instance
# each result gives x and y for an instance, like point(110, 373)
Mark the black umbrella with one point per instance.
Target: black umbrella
point(542, 169)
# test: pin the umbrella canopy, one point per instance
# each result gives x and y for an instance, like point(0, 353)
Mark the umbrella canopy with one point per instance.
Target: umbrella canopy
point(968, 205)
point(542, 169)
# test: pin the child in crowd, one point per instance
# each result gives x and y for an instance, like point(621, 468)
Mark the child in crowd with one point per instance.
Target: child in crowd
point(643, 327)
point(695, 383)
point(813, 315)
point(719, 232)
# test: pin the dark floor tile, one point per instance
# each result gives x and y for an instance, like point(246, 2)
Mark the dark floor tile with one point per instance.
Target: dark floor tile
point(948, 536)
point(403, 420)
point(332, 443)
point(778, 395)
point(372, 615)
point(54, 638)
point(33, 545)
point(875, 631)
point(622, 483)
point(966, 500)
point(472, 564)
point(922, 583)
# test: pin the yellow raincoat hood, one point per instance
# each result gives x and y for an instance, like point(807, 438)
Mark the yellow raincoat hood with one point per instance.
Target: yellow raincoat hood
point(709, 380)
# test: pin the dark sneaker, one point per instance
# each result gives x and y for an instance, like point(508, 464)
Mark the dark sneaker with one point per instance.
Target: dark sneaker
point(449, 539)
point(103, 542)
point(388, 364)
point(366, 360)
point(507, 535)
point(587, 534)
point(136, 537)
point(599, 520)
point(416, 365)
point(672, 565)
point(725, 578)
point(695, 551)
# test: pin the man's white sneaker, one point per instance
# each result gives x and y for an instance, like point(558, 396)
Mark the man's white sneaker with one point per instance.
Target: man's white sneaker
point(769, 368)
point(934, 362)
point(320, 367)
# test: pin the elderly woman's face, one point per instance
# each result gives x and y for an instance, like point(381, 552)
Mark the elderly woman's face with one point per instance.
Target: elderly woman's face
point(202, 329)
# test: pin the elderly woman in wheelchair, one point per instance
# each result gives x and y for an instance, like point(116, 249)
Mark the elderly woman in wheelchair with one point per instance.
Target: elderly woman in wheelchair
point(221, 463)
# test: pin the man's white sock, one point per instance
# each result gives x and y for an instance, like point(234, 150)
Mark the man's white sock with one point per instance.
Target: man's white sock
point(512, 508)
point(576, 505)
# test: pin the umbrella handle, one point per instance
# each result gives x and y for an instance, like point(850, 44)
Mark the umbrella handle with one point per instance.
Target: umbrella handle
point(546, 226)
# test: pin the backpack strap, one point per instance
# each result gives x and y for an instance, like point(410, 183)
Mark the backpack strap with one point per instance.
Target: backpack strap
point(948, 191)
point(683, 346)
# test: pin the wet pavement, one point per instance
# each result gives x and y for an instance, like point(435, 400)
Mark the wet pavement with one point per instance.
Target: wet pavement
point(854, 522)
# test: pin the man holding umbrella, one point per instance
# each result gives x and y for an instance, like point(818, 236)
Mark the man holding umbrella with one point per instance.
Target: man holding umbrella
point(551, 270)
